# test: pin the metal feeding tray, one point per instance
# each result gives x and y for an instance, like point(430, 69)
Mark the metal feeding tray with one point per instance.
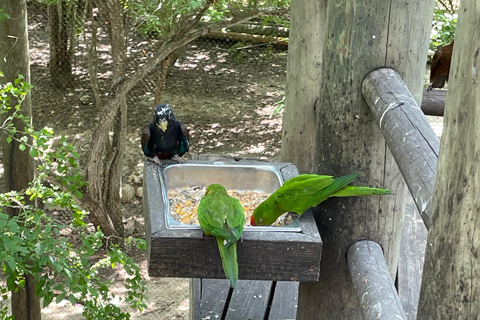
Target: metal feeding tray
point(175, 249)
point(260, 178)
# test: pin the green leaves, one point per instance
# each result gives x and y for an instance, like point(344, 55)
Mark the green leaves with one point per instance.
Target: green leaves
point(443, 25)
point(34, 244)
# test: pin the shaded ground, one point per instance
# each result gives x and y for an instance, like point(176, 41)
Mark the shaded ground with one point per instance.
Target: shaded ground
point(225, 97)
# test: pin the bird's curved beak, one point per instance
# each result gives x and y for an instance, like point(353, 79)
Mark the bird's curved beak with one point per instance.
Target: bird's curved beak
point(252, 221)
point(163, 125)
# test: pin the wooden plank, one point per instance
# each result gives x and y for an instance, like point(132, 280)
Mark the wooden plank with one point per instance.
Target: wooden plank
point(376, 294)
point(186, 253)
point(407, 133)
point(433, 102)
point(249, 300)
point(412, 257)
point(208, 298)
point(285, 301)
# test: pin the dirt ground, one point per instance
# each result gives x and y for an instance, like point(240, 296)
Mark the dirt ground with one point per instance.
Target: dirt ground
point(225, 96)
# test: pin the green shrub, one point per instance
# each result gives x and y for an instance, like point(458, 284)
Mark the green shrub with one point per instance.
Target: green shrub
point(33, 243)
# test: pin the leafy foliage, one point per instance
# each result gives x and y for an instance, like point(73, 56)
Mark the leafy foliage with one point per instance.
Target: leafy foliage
point(155, 19)
point(33, 243)
point(444, 23)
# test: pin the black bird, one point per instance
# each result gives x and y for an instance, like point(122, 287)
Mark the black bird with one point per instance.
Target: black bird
point(440, 67)
point(165, 137)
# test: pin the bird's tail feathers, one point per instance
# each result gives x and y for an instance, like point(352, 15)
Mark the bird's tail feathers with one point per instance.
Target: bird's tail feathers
point(351, 191)
point(229, 260)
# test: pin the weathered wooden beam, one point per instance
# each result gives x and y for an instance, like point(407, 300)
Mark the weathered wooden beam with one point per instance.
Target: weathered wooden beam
point(376, 293)
point(407, 132)
point(251, 27)
point(433, 102)
point(247, 37)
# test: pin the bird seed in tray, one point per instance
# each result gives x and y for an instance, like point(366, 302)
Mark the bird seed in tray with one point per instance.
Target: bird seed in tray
point(184, 203)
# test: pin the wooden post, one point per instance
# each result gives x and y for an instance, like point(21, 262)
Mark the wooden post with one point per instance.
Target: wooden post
point(18, 165)
point(407, 132)
point(360, 36)
point(451, 274)
point(376, 294)
point(307, 25)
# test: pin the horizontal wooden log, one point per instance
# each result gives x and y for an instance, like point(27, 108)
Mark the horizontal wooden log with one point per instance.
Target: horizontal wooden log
point(433, 102)
point(247, 37)
point(376, 293)
point(261, 255)
point(257, 29)
point(407, 133)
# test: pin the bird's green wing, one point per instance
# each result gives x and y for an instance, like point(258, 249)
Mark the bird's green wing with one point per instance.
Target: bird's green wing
point(235, 218)
point(310, 191)
point(221, 216)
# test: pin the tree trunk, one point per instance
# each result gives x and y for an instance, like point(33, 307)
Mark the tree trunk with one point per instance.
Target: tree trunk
point(451, 274)
point(60, 59)
point(162, 78)
point(18, 165)
point(108, 200)
point(303, 81)
point(360, 36)
point(93, 57)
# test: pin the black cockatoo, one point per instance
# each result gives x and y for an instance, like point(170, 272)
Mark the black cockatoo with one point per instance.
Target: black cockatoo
point(165, 137)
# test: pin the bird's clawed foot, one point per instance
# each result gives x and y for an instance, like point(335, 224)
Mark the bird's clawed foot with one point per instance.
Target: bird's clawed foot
point(178, 159)
point(155, 159)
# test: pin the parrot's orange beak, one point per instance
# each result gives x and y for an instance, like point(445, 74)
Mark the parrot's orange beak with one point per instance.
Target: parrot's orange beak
point(252, 221)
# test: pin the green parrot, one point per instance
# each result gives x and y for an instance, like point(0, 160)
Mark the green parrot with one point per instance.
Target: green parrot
point(307, 190)
point(222, 216)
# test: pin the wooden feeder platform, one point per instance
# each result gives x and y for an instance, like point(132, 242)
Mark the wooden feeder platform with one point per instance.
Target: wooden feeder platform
point(262, 255)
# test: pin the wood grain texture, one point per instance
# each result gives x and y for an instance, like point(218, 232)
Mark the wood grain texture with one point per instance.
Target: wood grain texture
point(269, 300)
point(433, 102)
point(376, 294)
point(279, 256)
point(407, 132)
point(412, 257)
point(208, 298)
point(304, 65)
point(451, 274)
point(249, 300)
point(285, 301)
point(361, 36)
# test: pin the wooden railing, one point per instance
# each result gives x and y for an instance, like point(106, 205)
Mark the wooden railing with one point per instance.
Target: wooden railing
point(415, 148)
point(407, 133)
point(374, 288)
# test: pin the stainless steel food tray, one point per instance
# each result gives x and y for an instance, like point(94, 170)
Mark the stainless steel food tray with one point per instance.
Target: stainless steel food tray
point(260, 178)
